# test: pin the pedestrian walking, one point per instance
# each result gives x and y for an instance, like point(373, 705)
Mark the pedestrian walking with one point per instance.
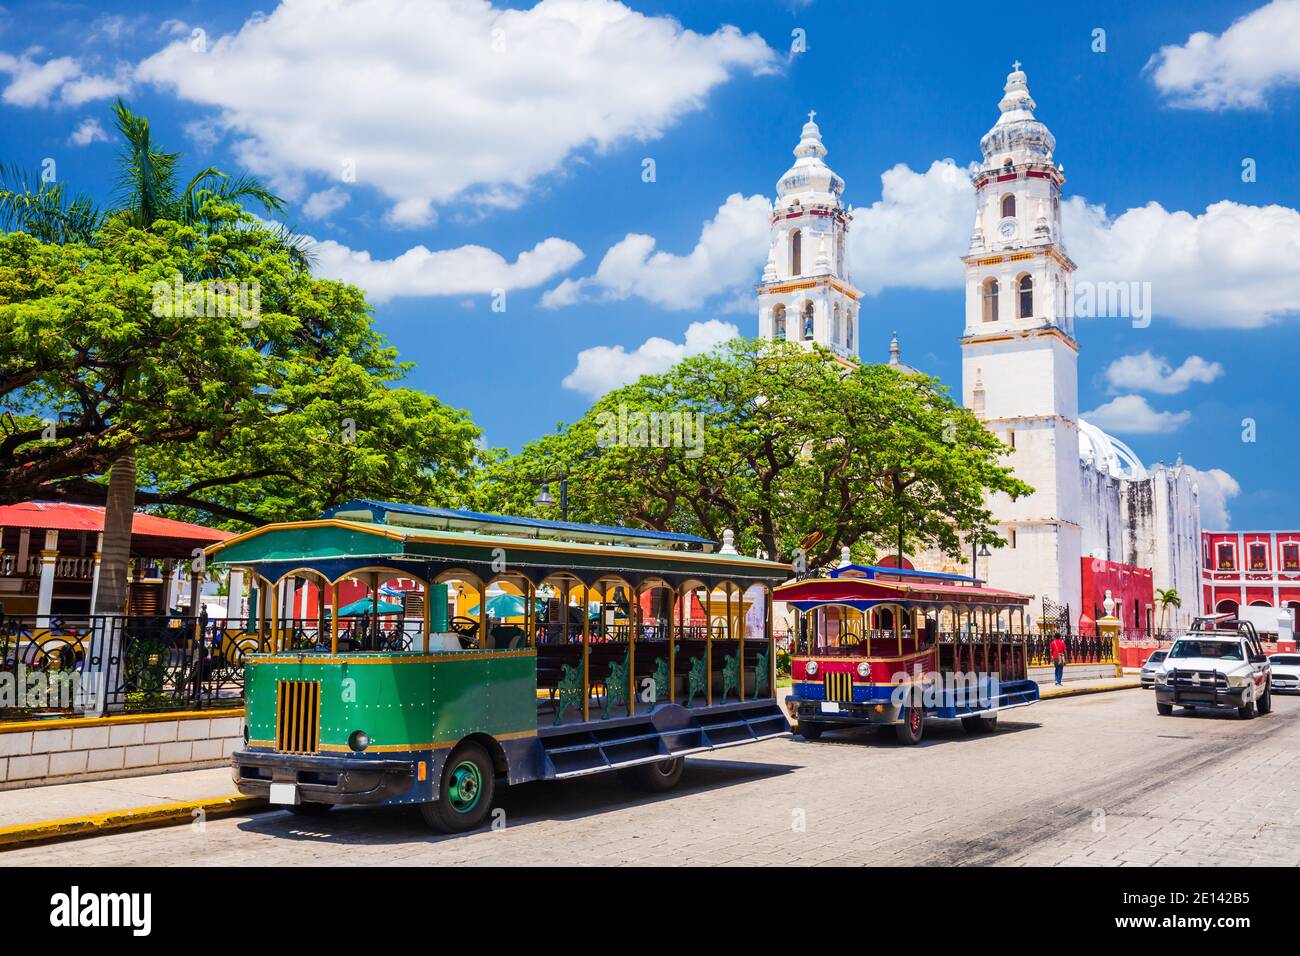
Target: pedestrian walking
point(1057, 650)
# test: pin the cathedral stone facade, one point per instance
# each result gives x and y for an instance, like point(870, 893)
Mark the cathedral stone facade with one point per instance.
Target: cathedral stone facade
point(806, 294)
point(1097, 516)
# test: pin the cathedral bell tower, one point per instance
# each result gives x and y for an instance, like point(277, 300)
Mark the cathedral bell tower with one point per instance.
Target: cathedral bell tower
point(806, 295)
point(1019, 354)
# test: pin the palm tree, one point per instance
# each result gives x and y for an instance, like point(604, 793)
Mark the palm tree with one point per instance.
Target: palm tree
point(44, 209)
point(1167, 598)
point(147, 189)
point(146, 193)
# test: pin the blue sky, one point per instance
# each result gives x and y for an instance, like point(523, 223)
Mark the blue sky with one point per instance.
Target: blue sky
point(427, 146)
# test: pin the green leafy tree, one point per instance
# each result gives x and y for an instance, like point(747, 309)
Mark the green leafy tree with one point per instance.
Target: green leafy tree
point(795, 453)
point(245, 420)
point(183, 338)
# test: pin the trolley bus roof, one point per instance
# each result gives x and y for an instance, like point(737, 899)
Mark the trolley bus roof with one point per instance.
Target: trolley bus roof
point(907, 588)
point(451, 519)
point(335, 548)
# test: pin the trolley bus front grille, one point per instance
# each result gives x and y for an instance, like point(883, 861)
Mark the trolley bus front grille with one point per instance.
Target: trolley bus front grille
point(839, 687)
point(297, 716)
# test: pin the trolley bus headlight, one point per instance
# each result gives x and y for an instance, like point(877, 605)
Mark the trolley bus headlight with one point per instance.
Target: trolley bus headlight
point(359, 740)
point(864, 669)
point(811, 668)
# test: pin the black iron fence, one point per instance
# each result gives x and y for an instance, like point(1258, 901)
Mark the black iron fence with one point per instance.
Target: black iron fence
point(95, 664)
point(1079, 649)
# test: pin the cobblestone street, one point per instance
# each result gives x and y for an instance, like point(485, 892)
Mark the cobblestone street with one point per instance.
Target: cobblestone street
point(1091, 780)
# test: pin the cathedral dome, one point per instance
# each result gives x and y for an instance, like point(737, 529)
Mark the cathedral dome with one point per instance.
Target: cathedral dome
point(1108, 454)
point(896, 358)
point(809, 182)
point(1017, 135)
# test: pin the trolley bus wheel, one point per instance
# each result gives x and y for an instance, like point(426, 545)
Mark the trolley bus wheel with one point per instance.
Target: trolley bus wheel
point(655, 777)
point(809, 731)
point(980, 724)
point(910, 730)
point(465, 794)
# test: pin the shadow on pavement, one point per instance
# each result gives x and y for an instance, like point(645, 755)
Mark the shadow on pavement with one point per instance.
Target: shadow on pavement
point(523, 804)
point(946, 732)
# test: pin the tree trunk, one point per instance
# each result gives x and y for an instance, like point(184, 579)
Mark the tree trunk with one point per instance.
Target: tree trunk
point(119, 511)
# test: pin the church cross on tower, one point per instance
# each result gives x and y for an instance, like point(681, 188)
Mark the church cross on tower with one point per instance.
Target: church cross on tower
point(1015, 67)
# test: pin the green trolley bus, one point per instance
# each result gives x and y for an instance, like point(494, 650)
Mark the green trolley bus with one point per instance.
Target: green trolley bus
point(524, 650)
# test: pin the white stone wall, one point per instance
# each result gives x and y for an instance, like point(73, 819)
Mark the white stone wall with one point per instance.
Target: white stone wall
point(1153, 523)
point(1031, 389)
point(1177, 516)
point(115, 749)
point(1103, 529)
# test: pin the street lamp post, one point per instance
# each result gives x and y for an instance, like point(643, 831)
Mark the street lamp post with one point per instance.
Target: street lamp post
point(545, 500)
point(984, 552)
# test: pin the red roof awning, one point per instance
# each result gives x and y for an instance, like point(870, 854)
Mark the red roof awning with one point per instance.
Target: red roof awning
point(60, 516)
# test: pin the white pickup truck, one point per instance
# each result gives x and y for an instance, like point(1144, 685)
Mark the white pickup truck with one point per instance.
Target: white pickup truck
point(1218, 663)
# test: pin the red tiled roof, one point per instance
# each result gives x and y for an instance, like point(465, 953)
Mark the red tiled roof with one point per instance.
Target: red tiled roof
point(60, 516)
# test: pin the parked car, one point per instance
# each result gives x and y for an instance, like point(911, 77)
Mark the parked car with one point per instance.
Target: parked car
point(1286, 672)
point(1221, 664)
point(1152, 667)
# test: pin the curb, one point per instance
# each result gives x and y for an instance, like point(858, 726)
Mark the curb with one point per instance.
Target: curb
point(1059, 692)
point(139, 818)
point(152, 717)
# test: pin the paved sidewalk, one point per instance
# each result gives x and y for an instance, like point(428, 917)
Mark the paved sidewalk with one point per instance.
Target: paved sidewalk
point(1047, 690)
point(65, 800)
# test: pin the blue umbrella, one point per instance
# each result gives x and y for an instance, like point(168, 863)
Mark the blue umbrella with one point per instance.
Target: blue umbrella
point(366, 606)
point(505, 605)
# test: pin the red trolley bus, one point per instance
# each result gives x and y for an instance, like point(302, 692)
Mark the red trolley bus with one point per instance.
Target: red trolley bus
point(882, 646)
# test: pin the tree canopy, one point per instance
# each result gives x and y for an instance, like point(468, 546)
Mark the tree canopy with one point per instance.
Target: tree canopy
point(797, 454)
point(248, 389)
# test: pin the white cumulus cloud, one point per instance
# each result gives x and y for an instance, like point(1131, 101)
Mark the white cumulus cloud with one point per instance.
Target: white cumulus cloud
point(441, 100)
point(1215, 487)
point(323, 204)
point(1232, 266)
point(604, 368)
point(1133, 415)
point(917, 232)
point(1145, 372)
point(58, 81)
point(88, 131)
point(420, 271)
point(1235, 69)
point(729, 254)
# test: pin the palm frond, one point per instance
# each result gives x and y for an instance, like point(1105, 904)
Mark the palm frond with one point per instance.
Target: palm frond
point(45, 210)
point(147, 183)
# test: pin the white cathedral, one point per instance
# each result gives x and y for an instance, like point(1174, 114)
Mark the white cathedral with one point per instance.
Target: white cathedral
point(1094, 506)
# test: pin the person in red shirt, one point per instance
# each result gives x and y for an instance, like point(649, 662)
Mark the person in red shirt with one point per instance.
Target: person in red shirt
point(1057, 650)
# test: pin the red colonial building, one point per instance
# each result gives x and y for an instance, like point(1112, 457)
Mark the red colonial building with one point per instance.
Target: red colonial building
point(1251, 569)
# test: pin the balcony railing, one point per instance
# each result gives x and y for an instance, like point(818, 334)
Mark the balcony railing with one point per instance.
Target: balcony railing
point(66, 567)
